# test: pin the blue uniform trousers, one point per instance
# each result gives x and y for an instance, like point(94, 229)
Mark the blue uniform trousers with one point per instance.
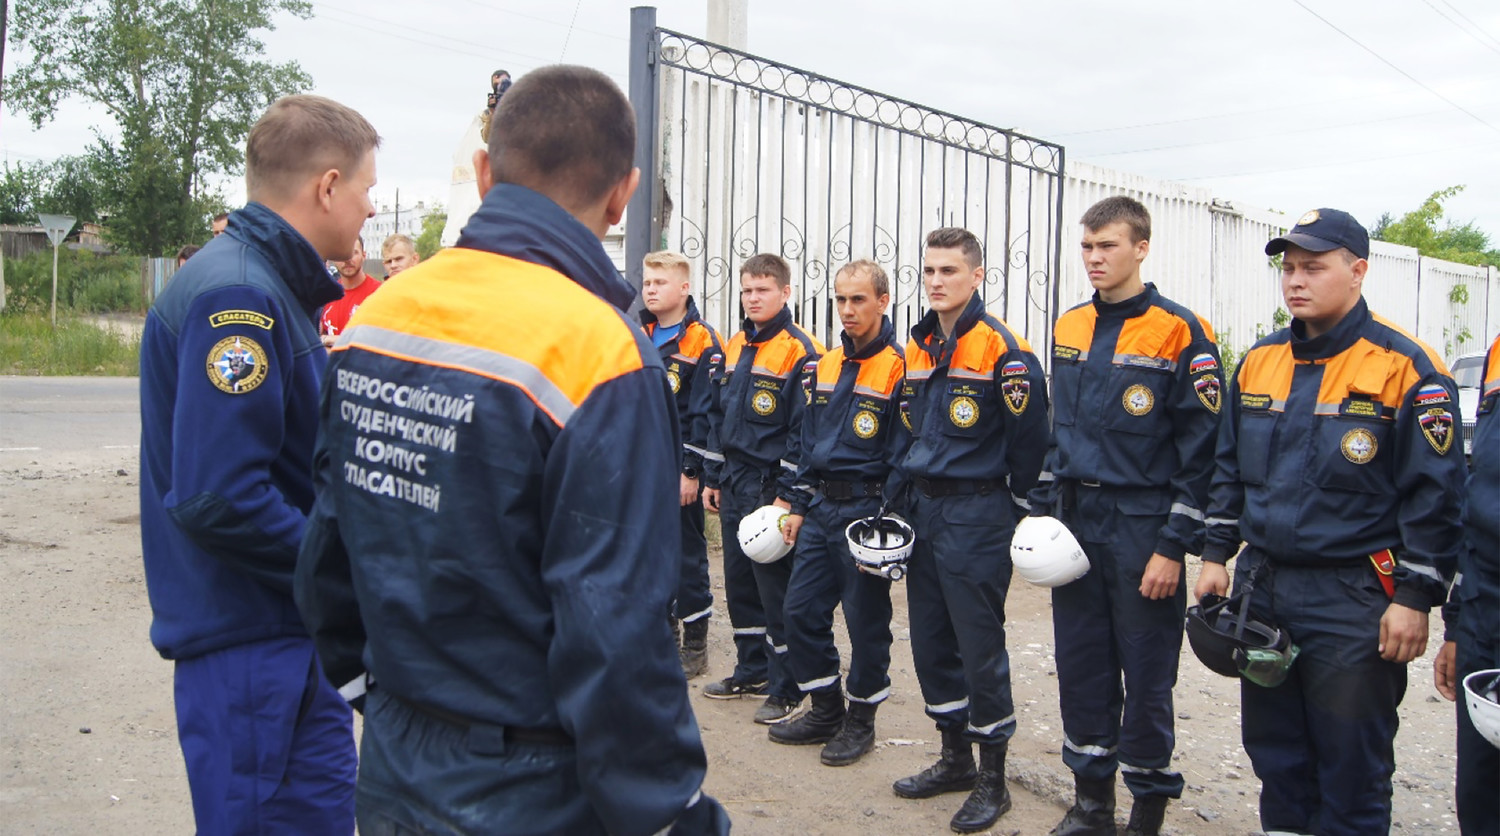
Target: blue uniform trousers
point(1322, 742)
point(960, 572)
point(1106, 630)
point(822, 578)
point(1478, 785)
point(756, 592)
point(268, 743)
point(419, 774)
point(694, 600)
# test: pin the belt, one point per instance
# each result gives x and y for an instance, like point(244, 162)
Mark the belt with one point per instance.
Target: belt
point(513, 734)
point(934, 488)
point(850, 490)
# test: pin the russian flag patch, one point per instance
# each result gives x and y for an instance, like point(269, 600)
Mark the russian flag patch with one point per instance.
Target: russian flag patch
point(1203, 363)
point(1013, 368)
point(1432, 394)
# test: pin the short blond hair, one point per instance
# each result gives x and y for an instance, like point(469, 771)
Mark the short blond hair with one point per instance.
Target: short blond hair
point(301, 137)
point(668, 260)
point(398, 238)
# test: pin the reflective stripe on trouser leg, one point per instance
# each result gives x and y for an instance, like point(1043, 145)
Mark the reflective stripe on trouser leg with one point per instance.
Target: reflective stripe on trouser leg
point(771, 579)
point(1332, 774)
point(695, 597)
point(867, 614)
point(811, 595)
point(960, 570)
point(741, 593)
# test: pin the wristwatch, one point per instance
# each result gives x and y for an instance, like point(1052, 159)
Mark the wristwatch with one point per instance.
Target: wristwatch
point(689, 471)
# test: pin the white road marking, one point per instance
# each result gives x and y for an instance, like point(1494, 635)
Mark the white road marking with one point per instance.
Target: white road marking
point(120, 447)
point(17, 449)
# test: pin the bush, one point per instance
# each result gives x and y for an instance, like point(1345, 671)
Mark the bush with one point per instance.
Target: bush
point(86, 283)
point(30, 345)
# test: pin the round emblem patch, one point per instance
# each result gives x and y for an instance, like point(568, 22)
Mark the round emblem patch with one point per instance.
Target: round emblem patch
point(963, 412)
point(764, 403)
point(1310, 218)
point(1359, 445)
point(866, 425)
point(1138, 400)
point(237, 365)
point(674, 380)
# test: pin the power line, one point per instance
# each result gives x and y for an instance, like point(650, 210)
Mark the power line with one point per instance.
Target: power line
point(1413, 78)
point(1336, 163)
point(569, 35)
point(1440, 13)
point(1481, 29)
point(491, 49)
point(557, 23)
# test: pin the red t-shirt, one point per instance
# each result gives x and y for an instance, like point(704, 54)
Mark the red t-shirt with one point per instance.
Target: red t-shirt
point(336, 314)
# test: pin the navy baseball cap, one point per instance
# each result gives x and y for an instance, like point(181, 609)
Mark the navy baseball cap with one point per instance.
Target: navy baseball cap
point(1322, 230)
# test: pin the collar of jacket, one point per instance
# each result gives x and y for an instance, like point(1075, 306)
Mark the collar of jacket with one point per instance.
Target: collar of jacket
point(887, 336)
point(517, 222)
point(972, 313)
point(649, 319)
point(1336, 340)
point(777, 324)
point(292, 257)
point(1134, 306)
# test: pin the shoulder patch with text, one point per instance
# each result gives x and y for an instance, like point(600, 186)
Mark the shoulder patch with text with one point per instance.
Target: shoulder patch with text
point(237, 317)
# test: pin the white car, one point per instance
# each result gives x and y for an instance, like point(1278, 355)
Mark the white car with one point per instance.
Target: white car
point(1468, 373)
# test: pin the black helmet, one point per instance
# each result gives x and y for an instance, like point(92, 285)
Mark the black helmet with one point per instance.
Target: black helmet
point(1230, 643)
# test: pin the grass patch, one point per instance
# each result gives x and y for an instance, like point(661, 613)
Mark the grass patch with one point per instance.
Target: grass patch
point(29, 345)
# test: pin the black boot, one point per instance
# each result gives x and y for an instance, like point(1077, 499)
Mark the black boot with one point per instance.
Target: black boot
point(990, 799)
point(1093, 811)
point(855, 737)
point(694, 651)
point(818, 725)
point(1146, 815)
point(954, 771)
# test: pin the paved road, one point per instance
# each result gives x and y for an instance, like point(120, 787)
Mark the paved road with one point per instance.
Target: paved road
point(68, 415)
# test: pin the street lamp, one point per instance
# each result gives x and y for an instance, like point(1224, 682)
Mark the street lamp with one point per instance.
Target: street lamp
point(58, 227)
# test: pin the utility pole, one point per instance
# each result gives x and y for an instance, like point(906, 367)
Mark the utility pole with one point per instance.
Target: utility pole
point(728, 23)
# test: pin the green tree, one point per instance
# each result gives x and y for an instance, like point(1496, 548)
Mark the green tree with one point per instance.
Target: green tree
point(72, 185)
point(430, 241)
point(1462, 243)
point(183, 81)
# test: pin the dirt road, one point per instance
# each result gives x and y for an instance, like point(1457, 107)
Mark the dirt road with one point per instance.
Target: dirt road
point(89, 742)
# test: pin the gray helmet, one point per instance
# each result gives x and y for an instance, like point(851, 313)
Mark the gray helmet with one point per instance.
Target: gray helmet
point(1230, 643)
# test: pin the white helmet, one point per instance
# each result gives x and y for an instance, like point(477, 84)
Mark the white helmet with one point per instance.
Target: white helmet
point(1482, 692)
point(881, 545)
point(760, 534)
point(1046, 553)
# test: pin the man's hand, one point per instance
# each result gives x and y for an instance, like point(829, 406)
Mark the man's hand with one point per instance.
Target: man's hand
point(1445, 671)
point(711, 499)
point(688, 488)
point(1212, 580)
point(790, 528)
point(782, 504)
point(1160, 578)
point(1403, 634)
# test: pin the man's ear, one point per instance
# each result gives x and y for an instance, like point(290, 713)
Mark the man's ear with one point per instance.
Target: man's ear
point(482, 172)
point(325, 188)
point(619, 197)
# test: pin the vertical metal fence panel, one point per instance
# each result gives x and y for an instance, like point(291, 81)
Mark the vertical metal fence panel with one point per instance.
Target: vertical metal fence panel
point(758, 156)
point(1394, 289)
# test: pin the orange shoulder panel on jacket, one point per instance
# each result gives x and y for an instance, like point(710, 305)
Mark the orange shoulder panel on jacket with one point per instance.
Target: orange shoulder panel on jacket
point(829, 366)
point(1437, 360)
point(510, 307)
point(1157, 333)
point(1267, 370)
point(1075, 328)
point(1370, 370)
point(695, 340)
point(879, 375)
point(1491, 381)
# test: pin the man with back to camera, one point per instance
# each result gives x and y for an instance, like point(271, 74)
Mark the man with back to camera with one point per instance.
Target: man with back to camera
point(851, 439)
point(497, 461)
point(753, 418)
point(357, 285)
point(230, 370)
point(692, 354)
point(1136, 384)
point(398, 253)
point(976, 401)
point(1471, 619)
point(1337, 467)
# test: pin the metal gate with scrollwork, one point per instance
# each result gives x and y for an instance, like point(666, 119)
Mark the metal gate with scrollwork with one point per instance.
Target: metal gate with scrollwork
point(750, 156)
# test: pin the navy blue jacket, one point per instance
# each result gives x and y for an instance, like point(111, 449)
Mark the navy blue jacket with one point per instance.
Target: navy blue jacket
point(1338, 447)
point(1475, 597)
point(231, 364)
point(496, 466)
point(694, 359)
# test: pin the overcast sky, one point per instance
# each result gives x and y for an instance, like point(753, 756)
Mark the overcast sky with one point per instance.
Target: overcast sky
point(1367, 105)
